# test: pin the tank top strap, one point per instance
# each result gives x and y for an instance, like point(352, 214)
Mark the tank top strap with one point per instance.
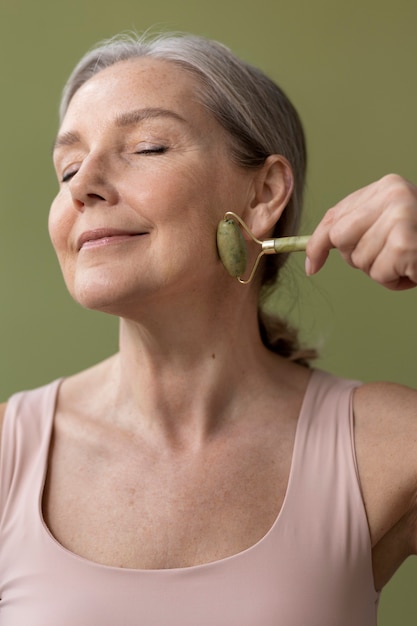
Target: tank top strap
point(324, 483)
point(25, 441)
point(324, 447)
point(326, 414)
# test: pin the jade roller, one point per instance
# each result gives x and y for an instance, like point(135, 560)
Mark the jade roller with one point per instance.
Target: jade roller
point(232, 248)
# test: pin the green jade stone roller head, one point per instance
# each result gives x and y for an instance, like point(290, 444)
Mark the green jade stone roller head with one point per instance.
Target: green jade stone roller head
point(232, 248)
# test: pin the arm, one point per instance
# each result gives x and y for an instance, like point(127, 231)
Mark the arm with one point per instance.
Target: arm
point(386, 449)
point(375, 230)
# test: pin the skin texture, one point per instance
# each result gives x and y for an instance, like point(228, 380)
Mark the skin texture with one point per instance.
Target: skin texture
point(201, 427)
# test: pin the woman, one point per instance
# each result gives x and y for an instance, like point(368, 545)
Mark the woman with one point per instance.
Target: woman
point(205, 474)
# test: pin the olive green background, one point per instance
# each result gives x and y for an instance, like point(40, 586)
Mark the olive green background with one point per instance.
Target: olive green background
point(350, 68)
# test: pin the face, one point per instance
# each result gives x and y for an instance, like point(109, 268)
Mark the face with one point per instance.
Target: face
point(144, 177)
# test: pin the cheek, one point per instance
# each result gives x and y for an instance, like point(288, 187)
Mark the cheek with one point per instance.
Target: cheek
point(59, 226)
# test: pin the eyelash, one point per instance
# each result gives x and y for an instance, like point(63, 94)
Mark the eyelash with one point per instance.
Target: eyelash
point(157, 150)
point(68, 175)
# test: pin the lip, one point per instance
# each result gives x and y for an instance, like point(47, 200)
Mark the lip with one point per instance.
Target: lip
point(104, 236)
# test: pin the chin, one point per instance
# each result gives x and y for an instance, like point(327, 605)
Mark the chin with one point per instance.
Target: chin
point(102, 295)
point(108, 294)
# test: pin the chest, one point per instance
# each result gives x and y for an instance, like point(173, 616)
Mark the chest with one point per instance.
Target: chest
point(131, 508)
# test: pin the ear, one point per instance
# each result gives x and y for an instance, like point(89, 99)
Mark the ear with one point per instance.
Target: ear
point(272, 187)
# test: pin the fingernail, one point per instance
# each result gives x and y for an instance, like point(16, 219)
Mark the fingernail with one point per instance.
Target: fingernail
point(308, 266)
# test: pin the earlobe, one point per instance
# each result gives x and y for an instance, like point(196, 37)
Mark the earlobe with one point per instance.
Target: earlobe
point(272, 189)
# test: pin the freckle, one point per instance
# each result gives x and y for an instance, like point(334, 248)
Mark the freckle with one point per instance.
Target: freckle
point(213, 356)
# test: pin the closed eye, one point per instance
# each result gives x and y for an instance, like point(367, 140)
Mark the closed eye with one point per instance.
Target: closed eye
point(152, 150)
point(69, 174)
point(66, 177)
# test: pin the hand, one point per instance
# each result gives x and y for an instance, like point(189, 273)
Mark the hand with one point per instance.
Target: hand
point(375, 230)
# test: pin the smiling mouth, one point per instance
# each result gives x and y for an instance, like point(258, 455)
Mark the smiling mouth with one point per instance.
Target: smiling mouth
point(104, 237)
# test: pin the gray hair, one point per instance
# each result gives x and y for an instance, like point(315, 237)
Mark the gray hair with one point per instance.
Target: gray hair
point(258, 117)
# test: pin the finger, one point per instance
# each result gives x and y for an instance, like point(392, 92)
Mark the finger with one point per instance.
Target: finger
point(395, 267)
point(343, 226)
point(358, 226)
point(369, 246)
point(320, 244)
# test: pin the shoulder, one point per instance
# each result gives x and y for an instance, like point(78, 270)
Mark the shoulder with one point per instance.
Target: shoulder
point(386, 444)
point(386, 425)
point(388, 413)
point(3, 407)
point(377, 394)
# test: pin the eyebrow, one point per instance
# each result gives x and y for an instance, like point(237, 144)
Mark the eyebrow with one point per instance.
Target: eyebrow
point(123, 120)
point(66, 139)
point(130, 118)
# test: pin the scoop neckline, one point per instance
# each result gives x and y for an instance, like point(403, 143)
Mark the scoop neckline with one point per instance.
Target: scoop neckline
point(315, 373)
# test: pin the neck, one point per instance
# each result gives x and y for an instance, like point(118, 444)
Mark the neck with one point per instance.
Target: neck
point(176, 371)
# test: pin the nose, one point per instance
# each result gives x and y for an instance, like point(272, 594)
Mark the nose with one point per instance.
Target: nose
point(91, 185)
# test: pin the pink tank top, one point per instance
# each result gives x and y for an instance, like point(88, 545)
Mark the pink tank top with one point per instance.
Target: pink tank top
point(313, 567)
